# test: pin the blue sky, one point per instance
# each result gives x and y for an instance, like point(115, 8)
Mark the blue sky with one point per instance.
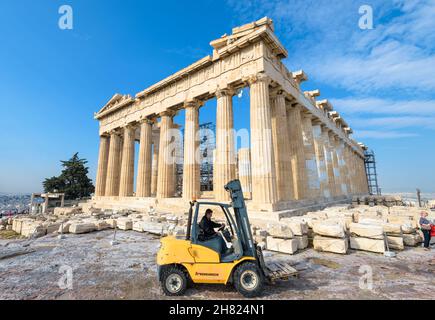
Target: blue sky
point(53, 80)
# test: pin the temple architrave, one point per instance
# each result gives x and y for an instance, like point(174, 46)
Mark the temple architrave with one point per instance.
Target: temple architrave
point(301, 153)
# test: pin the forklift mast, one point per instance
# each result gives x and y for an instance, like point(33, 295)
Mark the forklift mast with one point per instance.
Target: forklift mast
point(241, 213)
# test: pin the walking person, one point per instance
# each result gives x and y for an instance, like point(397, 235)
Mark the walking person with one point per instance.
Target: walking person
point(425, 227)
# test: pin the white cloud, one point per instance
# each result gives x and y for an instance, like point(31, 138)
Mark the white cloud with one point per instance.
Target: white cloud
point(380, 134)
point(381, 67)
point(395, 122)
point(384, 106)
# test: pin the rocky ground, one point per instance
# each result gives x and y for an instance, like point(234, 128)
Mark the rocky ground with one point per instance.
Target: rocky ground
point(36, 269)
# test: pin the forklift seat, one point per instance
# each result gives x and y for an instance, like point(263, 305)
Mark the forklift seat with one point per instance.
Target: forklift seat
point(216, 243)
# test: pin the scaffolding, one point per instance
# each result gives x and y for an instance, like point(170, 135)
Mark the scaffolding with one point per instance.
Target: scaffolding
point(207, 145)
point(372, 176)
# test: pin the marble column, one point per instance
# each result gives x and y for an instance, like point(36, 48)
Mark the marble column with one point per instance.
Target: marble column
point(281, 147)
point(335, 165)
point(127, 163)
point(113, 165)
point(349, 168)
point(214, 171)
point(365, 181)
point(155, 162)
point(321, 161)
point(244, 164)
point(143, 181)
point(328, 159)
point(191, 160)
point(165, 174)
point(297, 153)
point(103, 158)
point(262, 155)
point(225, 166)
point(310, 156)
point(343, 167)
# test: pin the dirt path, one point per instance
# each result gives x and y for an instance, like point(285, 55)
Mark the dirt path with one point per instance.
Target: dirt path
point(32, 269)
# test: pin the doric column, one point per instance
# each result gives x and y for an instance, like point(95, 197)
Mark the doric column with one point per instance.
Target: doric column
point(297, 153)
point(127, 163)
point(214, 170)
point(244, 157)
point(225, 166)
point(191, 182)
point(365, 181)
point(262, 155)
point(343, 167)
point(328, 159)
point(143, 181)
point(321, 162)
point(349, 168)
point(310, 156)
point(155, 162)
point(281, 147)
point(113, 165)
point(103, 158)
point(165, 174)
point(335, 165)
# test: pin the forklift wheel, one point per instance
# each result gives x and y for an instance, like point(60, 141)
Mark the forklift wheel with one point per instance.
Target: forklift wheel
point(173, 281)
point(248, 280)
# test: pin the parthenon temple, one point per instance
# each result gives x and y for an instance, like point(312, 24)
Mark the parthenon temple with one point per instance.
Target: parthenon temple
point(301, 152)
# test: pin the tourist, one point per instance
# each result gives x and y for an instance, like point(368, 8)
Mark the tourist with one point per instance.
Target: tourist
point(425, 227)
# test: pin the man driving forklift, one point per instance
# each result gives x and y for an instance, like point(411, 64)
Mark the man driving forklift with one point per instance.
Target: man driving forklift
point(207, 226)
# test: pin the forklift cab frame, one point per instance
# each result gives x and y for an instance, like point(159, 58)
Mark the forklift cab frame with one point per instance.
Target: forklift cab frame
point(216, 243)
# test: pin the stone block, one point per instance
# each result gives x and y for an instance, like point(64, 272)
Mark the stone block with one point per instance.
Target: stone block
point(392, 228)
point(395, 243)
point(298, 228)
point(52, 227)
point(402, 220)
point(124, 224)
point(367, 230)
point(329, 229)
point(102, 225)
point(82, 227)
point(335, 245)
point(280, 231)
point(411, 240)
point(111, 222)
point(33, 229)
point(366, 244)
point(302, 242)
point(289, 246)
point(408, 228)
point(155, 228)
point(137, 225)
point(66, 211)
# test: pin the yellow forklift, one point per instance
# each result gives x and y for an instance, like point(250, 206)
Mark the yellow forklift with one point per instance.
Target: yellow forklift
point(231, 257)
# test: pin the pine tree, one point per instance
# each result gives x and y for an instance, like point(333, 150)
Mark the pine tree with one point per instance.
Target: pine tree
point(73, 180)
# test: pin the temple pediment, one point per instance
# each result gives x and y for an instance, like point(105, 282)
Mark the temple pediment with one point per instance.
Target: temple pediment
point(117, 101)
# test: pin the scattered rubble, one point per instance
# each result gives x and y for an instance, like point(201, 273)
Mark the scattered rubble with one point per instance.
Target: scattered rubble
point(334, 229)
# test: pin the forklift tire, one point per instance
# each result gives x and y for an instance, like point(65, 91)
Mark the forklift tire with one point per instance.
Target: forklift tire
point(174, 281)
point(248, 280)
